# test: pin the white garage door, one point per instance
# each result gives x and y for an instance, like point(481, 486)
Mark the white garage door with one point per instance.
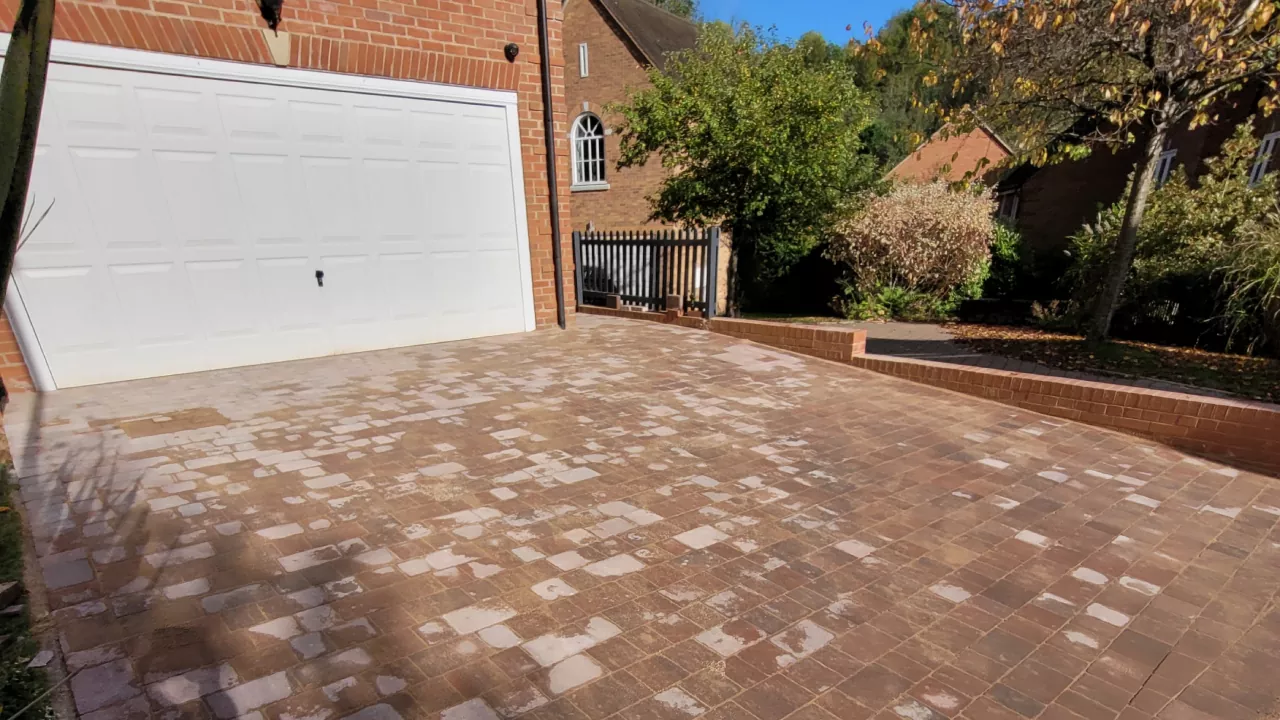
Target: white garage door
point(201, 222)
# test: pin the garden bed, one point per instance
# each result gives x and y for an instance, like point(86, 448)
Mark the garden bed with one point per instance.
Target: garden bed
point(1255, 378)
point(20, 685)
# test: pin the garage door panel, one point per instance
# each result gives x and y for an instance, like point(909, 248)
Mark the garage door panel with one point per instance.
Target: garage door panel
point(291, 297)
point(392, 198)
point(453, 281)
point(489, 188)
point(176, 115)
point(53, 181)
point(226, 296)
point(350, 289)
point(409, 285)
point(449, 217)
point(193, 213)
point(199, 189)
point(502, 288)
point(71, 306)
point(250, 119)
point(382, 127)
point(119, 187)
point(435, 131)
point(333, 198)
point(272, 207)
point(154, 307)
point(319, 123)
point(486, 139)
point(87, 110)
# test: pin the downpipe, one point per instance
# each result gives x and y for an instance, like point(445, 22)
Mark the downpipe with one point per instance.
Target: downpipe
point(549, 132)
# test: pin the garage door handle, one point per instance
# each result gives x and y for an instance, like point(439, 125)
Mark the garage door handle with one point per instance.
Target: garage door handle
point(320, 278)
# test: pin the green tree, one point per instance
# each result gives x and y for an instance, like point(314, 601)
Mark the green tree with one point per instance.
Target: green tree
point(903, 66)
point(816, 51)
point(1073, 75)
point(26, 65)
point(1189, 233)
point(683, 8)
point(754, 139)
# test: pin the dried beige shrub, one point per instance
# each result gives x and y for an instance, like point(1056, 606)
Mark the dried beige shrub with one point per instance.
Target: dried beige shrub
point(924, 238)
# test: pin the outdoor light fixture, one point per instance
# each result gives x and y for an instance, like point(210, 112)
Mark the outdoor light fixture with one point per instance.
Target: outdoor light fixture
point(270, 10)
point(511, 51)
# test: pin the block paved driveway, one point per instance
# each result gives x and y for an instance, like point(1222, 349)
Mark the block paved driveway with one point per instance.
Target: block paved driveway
point(633, 521)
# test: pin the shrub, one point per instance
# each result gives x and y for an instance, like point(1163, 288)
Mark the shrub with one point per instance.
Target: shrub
point(918, 248)
point(891, 302)
point(1007, 263)
point(1174, 292)
point(1252, 276)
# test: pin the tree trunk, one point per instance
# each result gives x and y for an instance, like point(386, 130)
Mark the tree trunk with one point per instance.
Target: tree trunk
point(26, 66)
point(1127, 243)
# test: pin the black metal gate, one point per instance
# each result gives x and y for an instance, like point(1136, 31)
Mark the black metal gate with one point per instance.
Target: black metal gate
point(643, 267)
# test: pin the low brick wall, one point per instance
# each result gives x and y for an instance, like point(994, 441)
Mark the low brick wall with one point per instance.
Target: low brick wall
point(1245, 433)
point(840, 344)
point(1240, 432)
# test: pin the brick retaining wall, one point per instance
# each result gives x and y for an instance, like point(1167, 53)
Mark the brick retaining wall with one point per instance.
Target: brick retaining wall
point(1245, 433)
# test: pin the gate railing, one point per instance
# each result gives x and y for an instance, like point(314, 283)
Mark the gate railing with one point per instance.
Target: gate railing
point(643, 267)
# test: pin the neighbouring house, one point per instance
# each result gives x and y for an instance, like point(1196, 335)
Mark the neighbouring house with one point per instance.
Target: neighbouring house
point(1050, 203)
point(610, 46)
point(373, 176)
point(954, 156)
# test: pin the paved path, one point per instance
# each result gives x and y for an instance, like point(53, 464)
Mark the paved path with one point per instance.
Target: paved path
point(928, 341)
point(632, 521)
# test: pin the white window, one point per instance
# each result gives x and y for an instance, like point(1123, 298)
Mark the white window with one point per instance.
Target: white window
point(588, 152)
point(584, 62)
point(1263, 162)
point(1008, 207)
point(1164, 168)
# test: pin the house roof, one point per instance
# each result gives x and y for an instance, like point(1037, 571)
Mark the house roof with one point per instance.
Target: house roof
point(946, 146)
point(653, 30)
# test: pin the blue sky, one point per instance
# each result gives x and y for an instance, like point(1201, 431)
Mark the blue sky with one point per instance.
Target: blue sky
point(795, 17)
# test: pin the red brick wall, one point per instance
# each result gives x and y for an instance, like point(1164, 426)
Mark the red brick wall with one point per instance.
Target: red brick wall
point(13, 370)
point(447, 41)
point(1240, 432)
point(1057, 199)
point(615, 65)
point(950, 158)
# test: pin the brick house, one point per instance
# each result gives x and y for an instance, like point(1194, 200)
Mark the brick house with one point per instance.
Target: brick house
point(374, 176)
point(1050, 203)
point(610, 46)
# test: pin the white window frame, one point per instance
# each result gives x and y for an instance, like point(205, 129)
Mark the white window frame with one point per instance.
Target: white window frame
point(1164, 166)
point(1007, 207)
point(584, 61)
point(587, 145)
point(1262, 163)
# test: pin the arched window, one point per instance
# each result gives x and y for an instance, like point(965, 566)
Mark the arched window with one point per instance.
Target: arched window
point(588, 150)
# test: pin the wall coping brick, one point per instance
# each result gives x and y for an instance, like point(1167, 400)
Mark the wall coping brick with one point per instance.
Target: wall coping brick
point(1242, 432)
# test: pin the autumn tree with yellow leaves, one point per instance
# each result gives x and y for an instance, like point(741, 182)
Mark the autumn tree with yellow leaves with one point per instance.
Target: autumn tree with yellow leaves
point(1071, 76)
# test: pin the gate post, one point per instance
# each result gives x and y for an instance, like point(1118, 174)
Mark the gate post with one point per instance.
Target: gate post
point(713, 270)
point(577, 266)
